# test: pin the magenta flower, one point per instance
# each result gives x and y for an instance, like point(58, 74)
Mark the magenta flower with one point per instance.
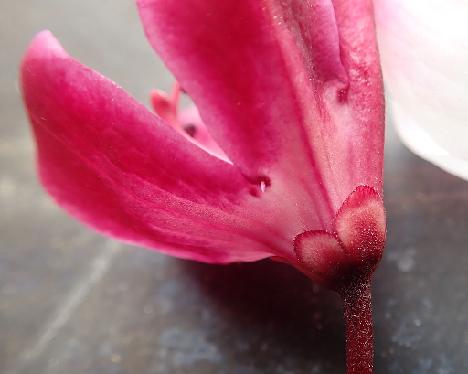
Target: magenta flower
point(286, 164)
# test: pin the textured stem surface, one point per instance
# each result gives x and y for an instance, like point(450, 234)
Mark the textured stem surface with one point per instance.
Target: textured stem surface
point(358, 320)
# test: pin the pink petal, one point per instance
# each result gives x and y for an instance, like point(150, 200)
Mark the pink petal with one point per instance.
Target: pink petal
point(360, 225)
point(289, 90)
point(424, 46)
point(120, 169)
point(362, 131)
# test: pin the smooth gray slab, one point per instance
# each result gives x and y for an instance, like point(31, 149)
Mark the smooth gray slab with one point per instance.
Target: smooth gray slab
point(73, 302)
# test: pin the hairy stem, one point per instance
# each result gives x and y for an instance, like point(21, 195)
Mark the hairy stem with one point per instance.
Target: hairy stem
point(358, 320)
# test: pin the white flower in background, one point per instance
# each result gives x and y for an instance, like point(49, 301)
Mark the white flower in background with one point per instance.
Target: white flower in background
point(424, 53)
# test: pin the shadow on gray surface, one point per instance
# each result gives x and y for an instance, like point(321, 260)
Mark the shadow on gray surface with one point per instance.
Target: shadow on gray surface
point(284, 307)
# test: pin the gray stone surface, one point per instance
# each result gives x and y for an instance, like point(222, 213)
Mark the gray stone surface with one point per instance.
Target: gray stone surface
point(74, 302)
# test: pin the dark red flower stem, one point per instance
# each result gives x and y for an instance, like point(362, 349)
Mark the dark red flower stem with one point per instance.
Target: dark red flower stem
point(358, 322)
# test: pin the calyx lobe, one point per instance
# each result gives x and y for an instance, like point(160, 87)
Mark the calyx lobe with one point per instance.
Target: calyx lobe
point(354, 247)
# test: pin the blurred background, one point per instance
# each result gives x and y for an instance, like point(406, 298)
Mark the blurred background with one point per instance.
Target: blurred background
point(73, 302)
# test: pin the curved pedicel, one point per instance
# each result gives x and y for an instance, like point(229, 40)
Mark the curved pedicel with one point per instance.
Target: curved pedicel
point(344, 260)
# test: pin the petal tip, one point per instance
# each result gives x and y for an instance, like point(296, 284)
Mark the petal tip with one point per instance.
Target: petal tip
point(44, 44)
point(42, 47)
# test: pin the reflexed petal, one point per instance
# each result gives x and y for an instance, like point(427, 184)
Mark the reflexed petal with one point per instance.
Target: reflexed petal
point(120, 169)
point(287, 89)
point(424, 49)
